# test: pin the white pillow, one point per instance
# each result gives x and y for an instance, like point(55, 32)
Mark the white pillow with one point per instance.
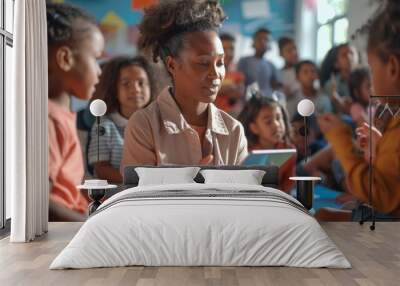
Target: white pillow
point(163, 176)
point(249, 177)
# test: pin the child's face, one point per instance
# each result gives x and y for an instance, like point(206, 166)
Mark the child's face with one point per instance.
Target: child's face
point(307, 75)
point(345, 60)
point(385, 81)
point(289, 53)
point(85, 71)
point(364, 91)
point(298, 138)
point(133, 88)
point(261, 42)
point(269, 126)
point(229, 50)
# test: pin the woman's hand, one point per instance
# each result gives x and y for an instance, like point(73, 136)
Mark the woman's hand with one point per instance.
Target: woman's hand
point(363, 140)
point(207, 160)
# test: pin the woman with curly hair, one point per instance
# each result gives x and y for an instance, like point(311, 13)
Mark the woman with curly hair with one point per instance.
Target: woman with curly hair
point(183, 126)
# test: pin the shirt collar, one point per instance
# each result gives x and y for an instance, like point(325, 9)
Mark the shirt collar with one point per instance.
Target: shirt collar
point(174, 122)
point(118, 119)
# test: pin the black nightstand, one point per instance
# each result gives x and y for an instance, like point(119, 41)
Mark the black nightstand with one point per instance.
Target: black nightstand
point(305, 190)
point(97, 191)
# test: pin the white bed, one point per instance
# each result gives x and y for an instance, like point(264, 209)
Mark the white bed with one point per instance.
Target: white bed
point(201, 224)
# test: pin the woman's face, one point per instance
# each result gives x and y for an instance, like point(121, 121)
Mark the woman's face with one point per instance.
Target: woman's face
point(199, 69)
point(133, 88)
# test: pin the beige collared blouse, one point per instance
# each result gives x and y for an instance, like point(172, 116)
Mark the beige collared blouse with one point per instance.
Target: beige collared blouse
point(160, 135)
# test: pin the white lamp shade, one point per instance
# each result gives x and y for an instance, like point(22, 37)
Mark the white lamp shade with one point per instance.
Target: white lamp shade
point(98, 107)
point(305, 107)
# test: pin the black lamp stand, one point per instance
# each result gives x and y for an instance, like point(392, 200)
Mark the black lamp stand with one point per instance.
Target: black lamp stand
point(370, 173)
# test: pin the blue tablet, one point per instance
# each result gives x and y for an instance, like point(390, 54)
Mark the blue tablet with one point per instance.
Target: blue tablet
point(273, 157)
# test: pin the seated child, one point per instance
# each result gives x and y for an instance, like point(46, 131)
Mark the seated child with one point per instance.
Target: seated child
point(267, 127)
point(125, 86)
point(307, 75)
point(384, 61)
point(315, 139)
point(288, 51)
point(75, 43)
point(336, 68)
point(360, 90)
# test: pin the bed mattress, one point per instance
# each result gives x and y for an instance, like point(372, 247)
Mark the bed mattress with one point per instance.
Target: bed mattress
point(201, 225)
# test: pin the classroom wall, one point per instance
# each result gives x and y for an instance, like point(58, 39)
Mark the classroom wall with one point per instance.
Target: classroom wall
point(359, 12)
point(118, 21)
point(306, 27)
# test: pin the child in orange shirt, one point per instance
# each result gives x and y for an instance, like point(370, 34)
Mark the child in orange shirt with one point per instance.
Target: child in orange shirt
point(384, 61)
point(74, 44)
point(266, 126)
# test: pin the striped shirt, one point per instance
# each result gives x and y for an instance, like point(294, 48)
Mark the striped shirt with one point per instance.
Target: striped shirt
point(111, 142)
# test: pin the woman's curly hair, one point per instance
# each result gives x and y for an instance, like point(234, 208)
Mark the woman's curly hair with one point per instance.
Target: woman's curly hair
point(383, 29)
point(164, 25)
point(60, 23)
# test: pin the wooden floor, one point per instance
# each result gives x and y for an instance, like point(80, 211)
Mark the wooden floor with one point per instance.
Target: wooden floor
point(375, 257)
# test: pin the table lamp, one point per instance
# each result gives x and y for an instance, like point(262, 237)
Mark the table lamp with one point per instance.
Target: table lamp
point(98, 108)
point(97, 188)
point(305, 185)
point(305, 108)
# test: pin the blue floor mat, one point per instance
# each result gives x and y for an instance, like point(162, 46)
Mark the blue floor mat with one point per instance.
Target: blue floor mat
point(325, 197)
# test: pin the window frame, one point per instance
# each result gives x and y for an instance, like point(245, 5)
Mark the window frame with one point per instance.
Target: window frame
point(6, 39)
point(331, 23)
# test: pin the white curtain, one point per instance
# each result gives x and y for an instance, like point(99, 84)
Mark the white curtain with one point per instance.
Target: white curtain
point(26, 124)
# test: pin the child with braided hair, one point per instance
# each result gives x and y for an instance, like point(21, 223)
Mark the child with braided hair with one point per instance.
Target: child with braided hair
point(183, 126)
point(74, 44)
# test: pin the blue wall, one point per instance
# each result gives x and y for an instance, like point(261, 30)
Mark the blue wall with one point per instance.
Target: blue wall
point(280, 20)
point(99, 8)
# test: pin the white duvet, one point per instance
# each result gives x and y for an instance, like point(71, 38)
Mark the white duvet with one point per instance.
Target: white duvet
point(225, 225)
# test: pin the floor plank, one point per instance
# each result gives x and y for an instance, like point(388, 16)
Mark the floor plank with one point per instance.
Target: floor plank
point(374, 255)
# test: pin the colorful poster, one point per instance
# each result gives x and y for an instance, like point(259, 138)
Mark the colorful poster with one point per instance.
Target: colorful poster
point(141, 4)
